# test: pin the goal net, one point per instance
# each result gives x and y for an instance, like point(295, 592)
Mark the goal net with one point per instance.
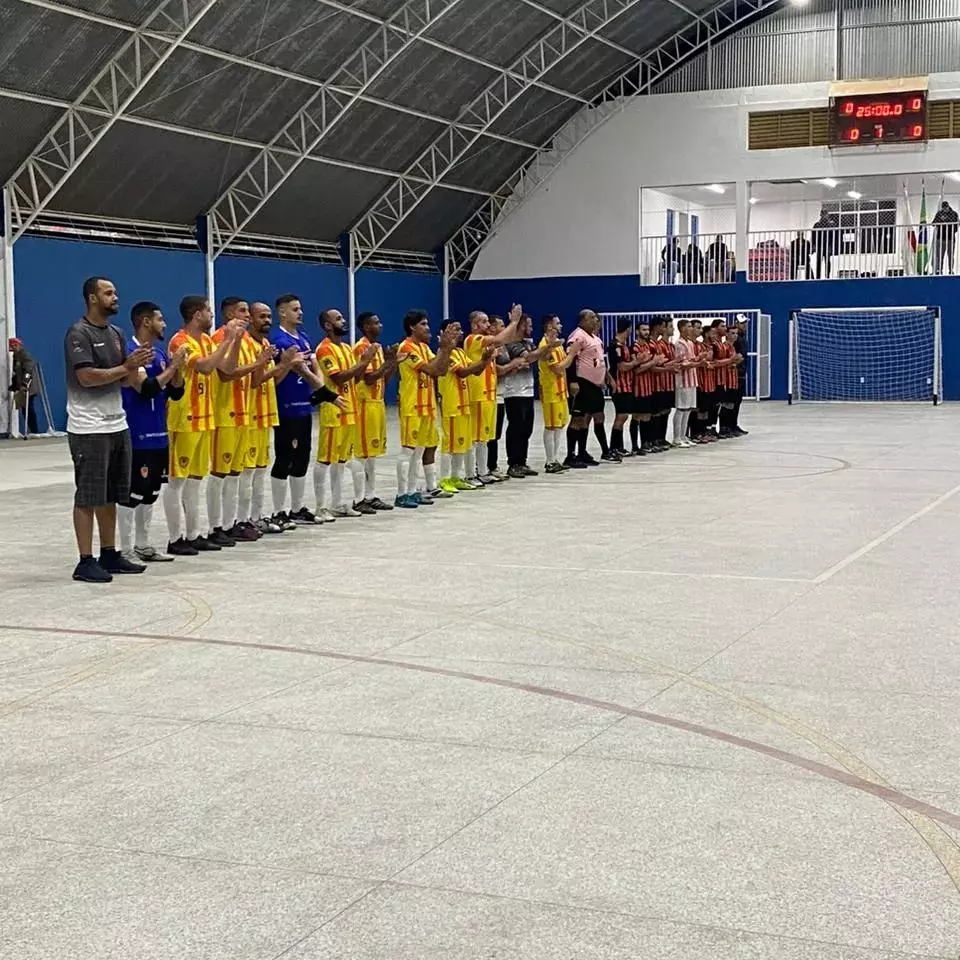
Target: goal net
point(860, 355)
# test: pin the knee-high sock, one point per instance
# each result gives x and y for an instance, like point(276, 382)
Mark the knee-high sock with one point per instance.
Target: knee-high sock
point(336, 485)
point(191, 507)
point(298, 486)
point(173, 508)
point(582, 436)
point(616, 437)
point(320, 473)
point(278, 493)
point(549, 445)
point(369, 478)
point(231, 492)
point(403, 463)
point(125, 517)
point(456, 466)
point(573, 438)
point(430, 475)
point(413, 462)
point(142, 517)
point(446, 465)
point(634, 434)
point(680, 420)
point(480, 454)
point(245, 496)
point(470, 462)
point(256, 493)
point(214, 501)
point(356, 471)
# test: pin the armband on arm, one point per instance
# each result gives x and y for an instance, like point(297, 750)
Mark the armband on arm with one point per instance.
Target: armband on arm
point(322, 395)
point(150, 388)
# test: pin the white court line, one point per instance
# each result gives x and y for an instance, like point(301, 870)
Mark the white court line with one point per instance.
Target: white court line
point(884, 537)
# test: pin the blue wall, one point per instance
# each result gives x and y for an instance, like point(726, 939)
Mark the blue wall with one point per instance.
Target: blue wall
point(49, 274)
point(567, 295)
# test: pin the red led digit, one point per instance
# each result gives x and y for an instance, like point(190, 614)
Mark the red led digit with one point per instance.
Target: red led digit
point(916, 104)
point(861, 111)
point(898, 110)
point(853, 134)
point(878, 131)
point(847, 109)
point(916, 130)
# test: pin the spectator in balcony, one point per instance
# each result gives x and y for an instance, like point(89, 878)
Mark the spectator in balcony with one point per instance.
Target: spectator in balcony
point(946, 223)
point(671, 260)
point(716, 262)
point(23, 384)
point(800, 250)
point(825, 241)
point(693, 263)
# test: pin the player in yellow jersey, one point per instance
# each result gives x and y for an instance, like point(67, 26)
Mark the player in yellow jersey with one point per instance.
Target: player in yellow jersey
point(419, 368)
point(263, 417)
point(372, 410)
point(338, 427)
point(455, 413)
point(483, 386)
point(232, 392)
point(190, 423)
point(552, 369)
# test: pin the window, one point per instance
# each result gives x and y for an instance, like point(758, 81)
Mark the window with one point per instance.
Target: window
point(866, 226)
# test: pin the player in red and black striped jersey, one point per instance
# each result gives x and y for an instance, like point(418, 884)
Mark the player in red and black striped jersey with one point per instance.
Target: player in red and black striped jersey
point(661, 331)
point(644, 390)
point(725, 360)
point(620, 368)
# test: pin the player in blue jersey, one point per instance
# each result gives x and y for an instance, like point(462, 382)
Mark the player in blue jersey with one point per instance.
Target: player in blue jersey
point(146, 409)
point(293, 435)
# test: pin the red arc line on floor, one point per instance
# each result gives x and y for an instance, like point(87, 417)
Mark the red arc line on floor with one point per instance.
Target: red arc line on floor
point(793, 759)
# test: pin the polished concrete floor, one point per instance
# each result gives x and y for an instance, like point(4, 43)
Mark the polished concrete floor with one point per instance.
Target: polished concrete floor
point(705, 705)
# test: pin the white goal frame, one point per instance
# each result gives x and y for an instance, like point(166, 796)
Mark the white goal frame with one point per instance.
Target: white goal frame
point(936, 375)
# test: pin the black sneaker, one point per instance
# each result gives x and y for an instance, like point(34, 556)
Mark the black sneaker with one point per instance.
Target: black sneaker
point(611, 456)
point(203, 545)
point(367, 509)
point(378, 504)
point(516, 473)
point(283, 521)
point(243, 533)
point(588, 461)
point(180, 548)
point(221, 538)
point(529, 471)
point(89, 571)
point(553, 468)
point(740, 432)
point(113, 561)
point(305, 517)
point(572, 463)
point(638, 452)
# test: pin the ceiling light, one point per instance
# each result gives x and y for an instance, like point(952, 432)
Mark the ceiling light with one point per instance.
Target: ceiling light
point(854, 194)
point(828, 182)
point(715, 188)
point(799, 3)
point(753, 200)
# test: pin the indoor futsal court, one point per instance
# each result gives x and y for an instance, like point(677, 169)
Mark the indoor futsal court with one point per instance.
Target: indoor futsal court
point(479, 480)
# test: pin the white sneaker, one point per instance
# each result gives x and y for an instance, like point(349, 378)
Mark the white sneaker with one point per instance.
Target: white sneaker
point(150, 554)
point(488, 478)
point(344, 511)
point(326, 516)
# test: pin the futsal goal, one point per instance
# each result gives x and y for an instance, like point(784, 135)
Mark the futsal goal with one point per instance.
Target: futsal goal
point(757, 386)
point(859, 355)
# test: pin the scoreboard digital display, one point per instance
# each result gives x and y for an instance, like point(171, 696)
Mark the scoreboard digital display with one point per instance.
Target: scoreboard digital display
point(865, 118)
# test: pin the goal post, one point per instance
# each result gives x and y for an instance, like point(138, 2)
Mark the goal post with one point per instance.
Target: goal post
point(865, 354)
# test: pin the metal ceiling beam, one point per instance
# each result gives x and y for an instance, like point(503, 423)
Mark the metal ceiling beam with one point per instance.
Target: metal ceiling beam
point(61, 152)
point(257, 65)
point(724, 18)
point(270, 169)
point(233, 141)
point(405, 194)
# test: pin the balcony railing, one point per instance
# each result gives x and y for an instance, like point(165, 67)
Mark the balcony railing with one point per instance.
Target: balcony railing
point(688, 259)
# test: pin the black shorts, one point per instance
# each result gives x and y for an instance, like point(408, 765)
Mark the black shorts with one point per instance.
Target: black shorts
point(665, 400)
point(589, 399)
point(645, 406)
point(101, 468)
point(291, 447)
point(148, 475)
point(624, 403)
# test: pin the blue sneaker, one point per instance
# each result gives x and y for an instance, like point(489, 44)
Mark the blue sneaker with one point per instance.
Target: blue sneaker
point(405, 500)
point(421, 499)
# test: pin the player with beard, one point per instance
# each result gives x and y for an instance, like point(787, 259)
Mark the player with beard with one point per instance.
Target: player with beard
point(644, 391)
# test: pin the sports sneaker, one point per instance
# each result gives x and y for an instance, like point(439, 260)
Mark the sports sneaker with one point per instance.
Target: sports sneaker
point(437, 493)
point(268, 525)
point(588, 460)
point(364, 508)
point(203, 545)
point(149, 554)
point(489, 478)
point(460, 484)
point(114, 562)
point(344, 511)
point(516, 473)
point(422, 498)
point(325, 516)
point(305, 517)
point(378, 504)
point(241, 533)
point(447, 485)
point(221, 538)
point(406, 501)
point(500, 476)
point(740, 432)
point(553, 468)
point(89, 571)
point(283, 521)
point(181, 548)
point(574, 463)
point(529, 471)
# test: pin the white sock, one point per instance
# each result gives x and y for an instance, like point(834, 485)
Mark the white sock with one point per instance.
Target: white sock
point(191, 507)
point(143, 517)
point(480, 455)
point(173, 508)
point(231, 492)
point(416, 457)
point(369, 478)
point(256, 493)
point(336, 485)
point(680, 419)
point(214, 501)
point(470, 463)
point(320, 473)
point(446, 468)
point(403, 462)
point(549, 445)
point(356, 471)
point(430, 475)
point(244, 496)
point(297, 487)
point(125, 524)
point(457, 465)
point(278, 491)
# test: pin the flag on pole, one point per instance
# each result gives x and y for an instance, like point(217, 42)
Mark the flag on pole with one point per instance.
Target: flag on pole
point(923, 252)
point(910, 245)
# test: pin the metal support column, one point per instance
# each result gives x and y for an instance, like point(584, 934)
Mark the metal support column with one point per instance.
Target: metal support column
point(742, 248)
point(446, 281)
point(838, 42)
point(9, 421)
point(203, 241)
point(351, 287)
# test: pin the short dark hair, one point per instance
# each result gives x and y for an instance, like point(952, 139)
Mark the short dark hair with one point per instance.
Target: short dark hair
point(190, 305)
point(683, 323)
point(284, 299)
point(324, 316)
point(446, 323)
point(624, 324)
point(659, 320)
point(719, 322)
point(228, 302)
point(412, 318)
point(548, 318)
point(141, 311)
point(365, 318)
point(90, 286)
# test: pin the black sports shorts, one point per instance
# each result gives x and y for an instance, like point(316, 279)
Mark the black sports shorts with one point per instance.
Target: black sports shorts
point(291, 447)
point(589, 400)
point(624, 403)
point(148, 475)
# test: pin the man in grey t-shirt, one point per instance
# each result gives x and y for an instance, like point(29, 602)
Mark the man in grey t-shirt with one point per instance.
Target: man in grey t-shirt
point(517, 388)
point(97, 367)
